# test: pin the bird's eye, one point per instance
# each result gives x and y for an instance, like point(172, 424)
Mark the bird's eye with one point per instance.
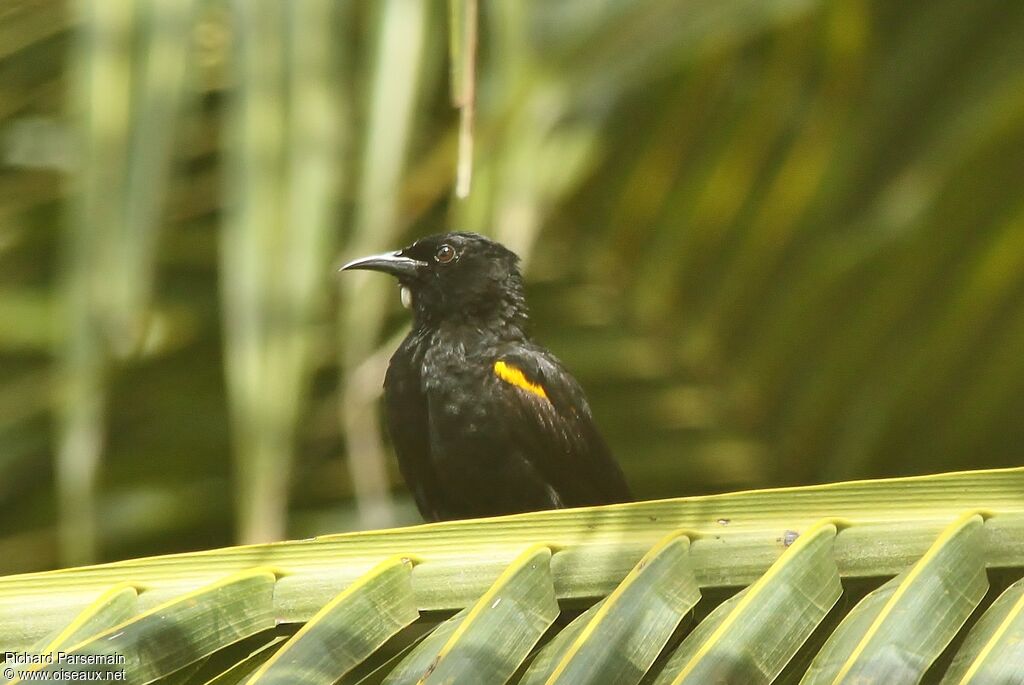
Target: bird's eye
point(444, 254)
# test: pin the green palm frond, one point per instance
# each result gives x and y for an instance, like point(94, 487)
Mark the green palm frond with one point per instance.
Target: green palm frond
point(368, 602)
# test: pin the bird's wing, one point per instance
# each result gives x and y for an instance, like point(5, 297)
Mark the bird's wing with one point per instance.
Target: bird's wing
point(551, 423)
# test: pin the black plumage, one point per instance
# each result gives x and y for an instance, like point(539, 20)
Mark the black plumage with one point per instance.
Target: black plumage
point(484, 420)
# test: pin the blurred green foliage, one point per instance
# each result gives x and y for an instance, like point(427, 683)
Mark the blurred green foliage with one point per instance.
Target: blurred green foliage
point(778, 242)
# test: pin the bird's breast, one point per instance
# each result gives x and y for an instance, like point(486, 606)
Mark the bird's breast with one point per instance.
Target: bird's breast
point(456, 381)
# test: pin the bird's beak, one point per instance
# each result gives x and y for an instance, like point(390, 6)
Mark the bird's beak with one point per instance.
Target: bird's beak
point(389, 262)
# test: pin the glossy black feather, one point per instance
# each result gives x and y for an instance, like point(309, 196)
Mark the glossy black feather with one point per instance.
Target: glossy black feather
point(470, 443)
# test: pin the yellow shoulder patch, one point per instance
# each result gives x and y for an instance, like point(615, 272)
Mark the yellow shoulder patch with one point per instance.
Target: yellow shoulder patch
point(514, 376)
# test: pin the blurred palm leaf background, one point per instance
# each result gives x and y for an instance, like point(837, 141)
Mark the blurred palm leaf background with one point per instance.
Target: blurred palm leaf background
point(778, 242)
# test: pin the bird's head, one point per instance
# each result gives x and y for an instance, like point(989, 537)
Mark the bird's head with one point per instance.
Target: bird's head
point(454, 277)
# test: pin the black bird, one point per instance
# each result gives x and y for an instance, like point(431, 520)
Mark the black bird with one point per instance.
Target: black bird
point(484, 420)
